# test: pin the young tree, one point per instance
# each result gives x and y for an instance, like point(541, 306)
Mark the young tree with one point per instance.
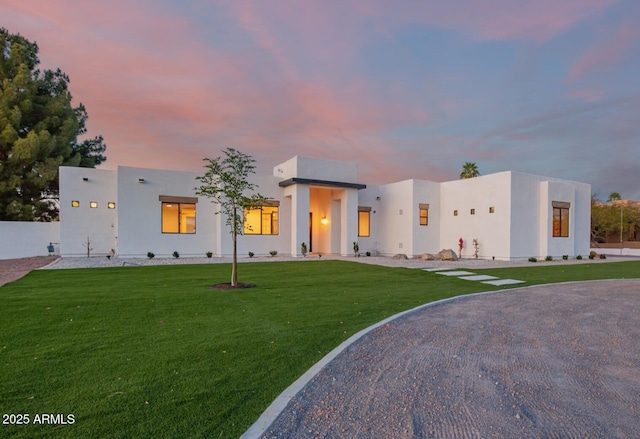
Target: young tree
point(39, 131)
point(469, 170)
point(226, 183)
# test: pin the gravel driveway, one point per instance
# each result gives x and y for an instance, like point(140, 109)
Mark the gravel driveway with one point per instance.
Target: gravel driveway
point(546, 361)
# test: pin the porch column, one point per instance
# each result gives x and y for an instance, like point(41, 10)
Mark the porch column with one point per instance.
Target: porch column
point(348, 220)
point(299, 194)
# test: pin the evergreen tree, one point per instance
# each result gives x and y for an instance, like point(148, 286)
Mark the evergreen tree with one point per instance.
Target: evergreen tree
point(39, 131)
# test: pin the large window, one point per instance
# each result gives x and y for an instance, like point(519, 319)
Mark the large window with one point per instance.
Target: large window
point(364, 221)
point(561, 219)
point(424, 214)
point(178, 214)
point(262, 221)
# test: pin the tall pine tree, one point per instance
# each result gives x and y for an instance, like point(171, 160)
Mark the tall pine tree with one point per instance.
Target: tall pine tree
point(39, 131)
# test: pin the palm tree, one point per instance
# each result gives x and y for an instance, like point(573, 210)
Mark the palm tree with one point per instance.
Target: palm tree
point(469, 170)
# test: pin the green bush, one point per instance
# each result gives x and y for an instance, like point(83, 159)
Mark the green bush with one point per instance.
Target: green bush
point(532, 259)
point(273, 252)
point(548, 258)
point(176, 254)
point(565, 257)
point(150, 255)
point(368, 253)
point(251, 254)
point(603, 256)
point(209, 254)
point(579, 257)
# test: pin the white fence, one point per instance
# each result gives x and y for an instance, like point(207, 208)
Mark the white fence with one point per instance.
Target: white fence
point(20, 239)
point(617, 251)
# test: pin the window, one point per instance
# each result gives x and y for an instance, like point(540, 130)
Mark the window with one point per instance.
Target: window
point(111, 205)
point(473, 211)
point(364, 221)
point(455, 213)
point(561, 219)
point(424, 214)
point(491, 209)
point(263, 220)
point(93, 204)
point(75, 203)
point(178, 214)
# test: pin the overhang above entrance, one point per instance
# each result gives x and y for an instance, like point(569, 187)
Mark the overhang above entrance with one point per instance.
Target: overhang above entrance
point(309, 181)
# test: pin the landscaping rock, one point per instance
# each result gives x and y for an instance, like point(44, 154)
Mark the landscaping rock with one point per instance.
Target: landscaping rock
point(400, 256)
point(447, 255)
point(427, 257)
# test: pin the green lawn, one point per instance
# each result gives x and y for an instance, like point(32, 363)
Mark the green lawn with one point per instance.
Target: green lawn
point(153, 352)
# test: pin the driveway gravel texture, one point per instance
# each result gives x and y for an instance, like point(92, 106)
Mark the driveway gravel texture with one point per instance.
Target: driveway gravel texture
point(550, 361)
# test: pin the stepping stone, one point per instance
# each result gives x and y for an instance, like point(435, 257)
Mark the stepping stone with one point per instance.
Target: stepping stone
point(479, 277)
point(455, 273)
point(438, 269)
point(501, 282)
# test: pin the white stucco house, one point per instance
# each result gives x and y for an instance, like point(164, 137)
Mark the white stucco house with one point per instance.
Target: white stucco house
point(321, 203)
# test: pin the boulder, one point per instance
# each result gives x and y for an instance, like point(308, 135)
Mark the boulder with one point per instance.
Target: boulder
point(427, 257)
point(400, 256)
point(447, 255)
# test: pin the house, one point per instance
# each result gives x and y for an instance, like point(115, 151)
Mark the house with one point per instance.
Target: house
point(321, 203)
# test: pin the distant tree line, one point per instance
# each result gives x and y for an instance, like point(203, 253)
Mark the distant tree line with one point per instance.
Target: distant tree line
point(615, 217)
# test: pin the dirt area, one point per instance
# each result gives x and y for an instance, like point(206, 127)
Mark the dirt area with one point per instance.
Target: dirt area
point(543, 361)
point(14, 269)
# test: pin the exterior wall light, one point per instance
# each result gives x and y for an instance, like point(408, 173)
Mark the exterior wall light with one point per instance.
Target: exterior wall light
point(324, 221)
point(85, 179)
point(141, 180)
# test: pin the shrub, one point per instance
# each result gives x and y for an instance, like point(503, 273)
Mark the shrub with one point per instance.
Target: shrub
point(303, 249)
point(565, 257)
point(548, 258)
point(273, 252)
point(251, 254)
point(603, 256)
point(150, 255)
point(176, 254)
point(209, 254)
point(579, 257)
point(592, 254)
point(532, 259)
point(368, 253)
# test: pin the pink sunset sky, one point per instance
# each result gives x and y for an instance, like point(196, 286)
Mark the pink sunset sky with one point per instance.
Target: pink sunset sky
point(405, 89)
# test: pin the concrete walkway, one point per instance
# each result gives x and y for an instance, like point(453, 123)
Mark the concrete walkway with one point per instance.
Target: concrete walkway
point(557, 360)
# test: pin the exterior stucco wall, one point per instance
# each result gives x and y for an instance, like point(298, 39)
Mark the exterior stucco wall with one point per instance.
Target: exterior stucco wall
point(426, 239)
point(492, 230)
point(317, 169)
point(140, 214)
point(23, 239)
point(78, 224)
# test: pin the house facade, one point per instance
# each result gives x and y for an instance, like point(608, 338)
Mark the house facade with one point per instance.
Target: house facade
point(321, 203)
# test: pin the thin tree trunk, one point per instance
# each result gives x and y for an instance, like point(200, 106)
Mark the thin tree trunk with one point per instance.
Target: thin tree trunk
point(234, 264)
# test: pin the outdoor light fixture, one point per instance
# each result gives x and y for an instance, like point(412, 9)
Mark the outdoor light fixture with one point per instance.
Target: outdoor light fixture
point(378, 198)
point(324, 221)
point(141, 180)
point(85, 179)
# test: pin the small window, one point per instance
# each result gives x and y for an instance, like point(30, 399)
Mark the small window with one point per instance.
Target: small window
point(111, 205)
point(93, 204)
point(424, 214)
point(364, 223)
point(75, 203)
point(473, 211)
point(455, 213)
point(491, 209)
point(261, 221)
point(561, 219)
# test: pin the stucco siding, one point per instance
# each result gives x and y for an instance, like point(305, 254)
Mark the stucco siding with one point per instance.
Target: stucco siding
point(22, 239)
point(82, 224)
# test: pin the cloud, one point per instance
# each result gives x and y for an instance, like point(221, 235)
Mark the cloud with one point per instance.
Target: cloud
point(603, 56)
